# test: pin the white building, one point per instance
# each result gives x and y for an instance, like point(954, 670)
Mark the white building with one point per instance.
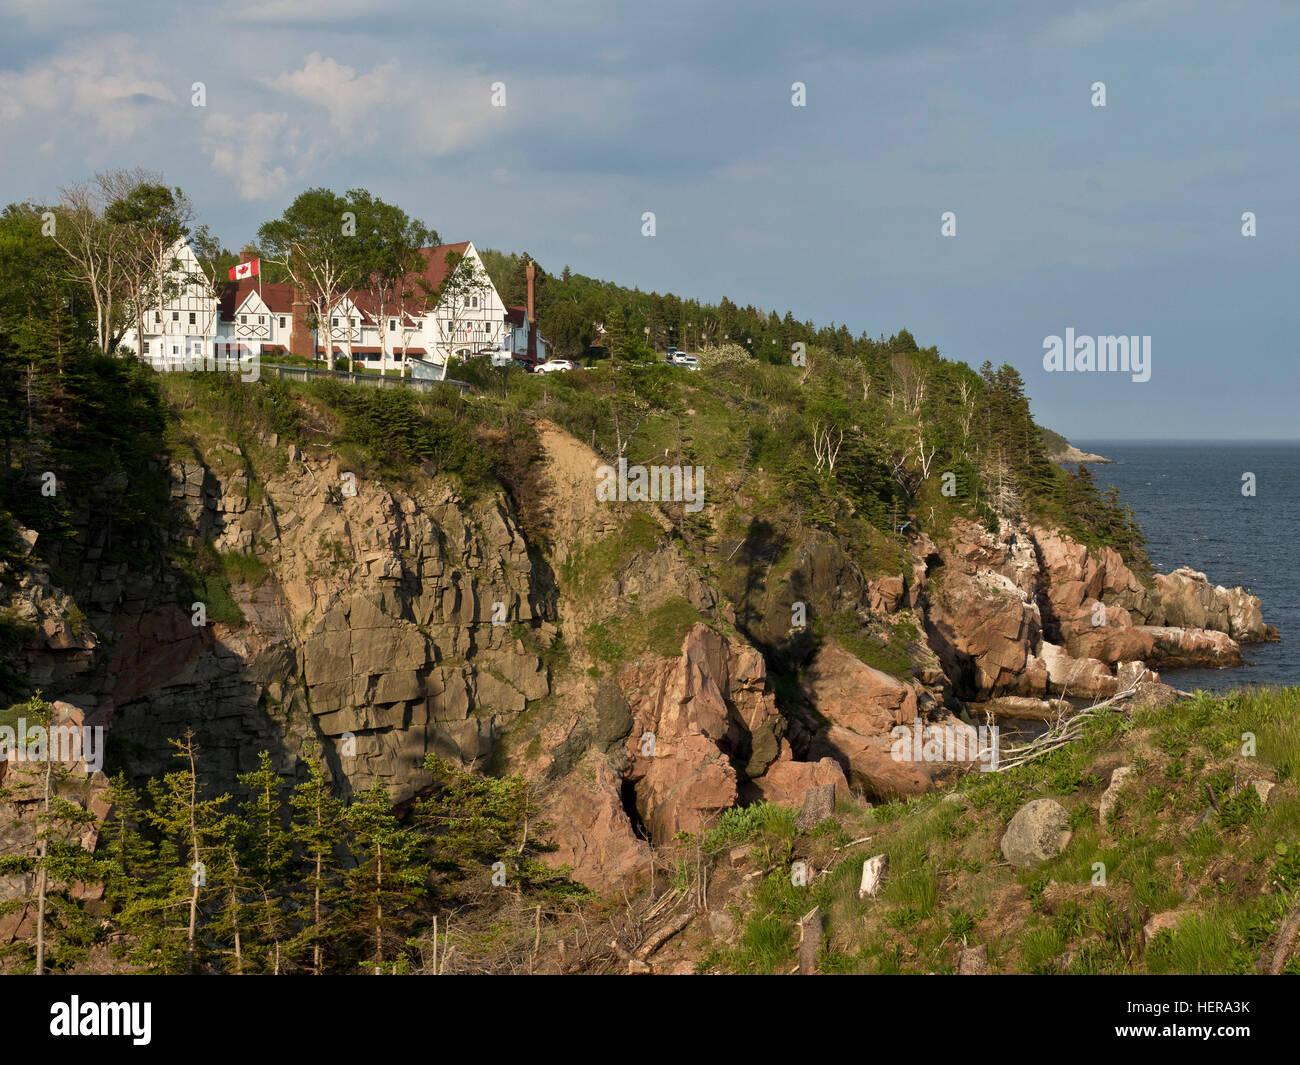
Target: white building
point(250, 318)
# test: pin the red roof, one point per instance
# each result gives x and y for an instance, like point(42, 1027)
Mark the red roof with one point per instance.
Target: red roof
point(435, 273)
point(437, 268)
point(277, 297)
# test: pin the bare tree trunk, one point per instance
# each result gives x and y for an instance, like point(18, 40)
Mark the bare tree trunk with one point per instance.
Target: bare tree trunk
point(315, 946)
point(194, 843)
point(379, 906)
point(234, 913)
point(42, 851)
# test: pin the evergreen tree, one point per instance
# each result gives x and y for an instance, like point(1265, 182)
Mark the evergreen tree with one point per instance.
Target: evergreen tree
point(387, 882)
point(193, 830)
point(267, 856)
point(317, 826)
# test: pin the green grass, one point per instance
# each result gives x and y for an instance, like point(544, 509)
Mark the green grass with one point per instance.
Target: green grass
point(586, 571)
point(1233, 877)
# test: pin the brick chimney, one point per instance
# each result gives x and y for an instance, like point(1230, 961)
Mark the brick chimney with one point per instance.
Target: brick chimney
point(530, 271)
point(300, 339)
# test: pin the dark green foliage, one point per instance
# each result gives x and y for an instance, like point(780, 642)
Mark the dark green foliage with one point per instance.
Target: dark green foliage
point(480, 826)
point(286, 881)
point(396, 429)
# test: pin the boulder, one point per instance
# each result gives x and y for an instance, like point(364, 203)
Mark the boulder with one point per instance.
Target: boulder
point(982, 629)
point(1160, 922)
point(870, 767)
point(1191, 647)
point(848, 692)
point(1039, 830)
point(1263, 788)
point(791, 783)
point(684, 788)
point(1189, 601)
point(1128, 674)
point(1025, 708)
point(1084, 677)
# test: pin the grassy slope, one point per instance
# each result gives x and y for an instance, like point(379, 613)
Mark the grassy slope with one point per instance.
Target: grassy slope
point(1232, 874)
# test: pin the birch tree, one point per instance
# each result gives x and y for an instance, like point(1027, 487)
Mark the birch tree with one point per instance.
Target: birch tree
point(315, 242)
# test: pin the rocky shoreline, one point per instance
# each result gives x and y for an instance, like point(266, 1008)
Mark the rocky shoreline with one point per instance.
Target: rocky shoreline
point(1072, 456)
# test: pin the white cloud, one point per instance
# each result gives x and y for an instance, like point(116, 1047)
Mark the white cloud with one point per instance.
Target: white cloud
point(111, 83)
point(350, 100)
point(395, 106)
point(246, 149)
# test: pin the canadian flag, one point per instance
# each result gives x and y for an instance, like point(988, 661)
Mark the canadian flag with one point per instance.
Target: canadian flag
point(243, 270)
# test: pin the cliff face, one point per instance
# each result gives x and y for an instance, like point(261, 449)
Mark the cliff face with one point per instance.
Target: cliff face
point(389, 622)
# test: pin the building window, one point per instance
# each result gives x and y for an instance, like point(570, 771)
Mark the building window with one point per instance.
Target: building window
point(354, 323)
point(176, 316)
point(261, 319)
point(175, 350)
point(145, 345)
point(334, 322)
point(157, 316)
point(392, 325)
point(282, 321)
point(243, 319)
point(192, 318)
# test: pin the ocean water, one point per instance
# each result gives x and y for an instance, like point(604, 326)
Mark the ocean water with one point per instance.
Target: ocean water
point(1188, 498)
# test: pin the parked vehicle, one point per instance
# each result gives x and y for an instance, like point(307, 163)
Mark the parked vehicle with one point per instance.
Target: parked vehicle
point(556, 366)
point(680, 358)
point(503, 360)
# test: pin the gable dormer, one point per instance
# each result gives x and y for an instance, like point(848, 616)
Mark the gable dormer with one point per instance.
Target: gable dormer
point(345, 321)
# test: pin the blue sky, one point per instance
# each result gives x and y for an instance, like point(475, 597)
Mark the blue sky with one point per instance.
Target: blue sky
point(1117, 220)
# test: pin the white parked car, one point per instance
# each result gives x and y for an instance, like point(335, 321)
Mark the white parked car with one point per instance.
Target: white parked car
point(556, 366)
point(689, 361)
